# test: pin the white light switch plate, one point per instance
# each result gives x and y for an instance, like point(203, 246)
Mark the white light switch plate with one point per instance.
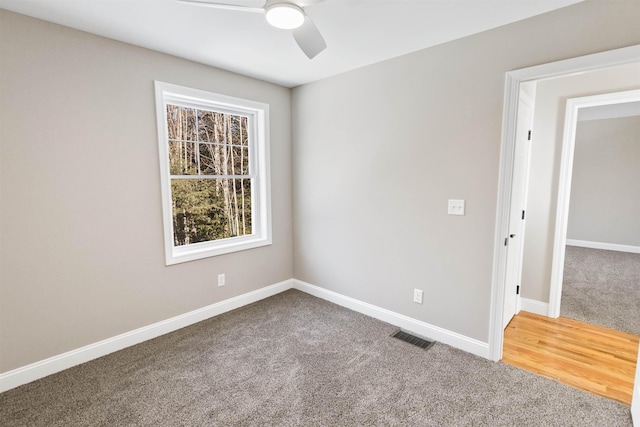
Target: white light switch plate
point(456, 207)
point(417, 296)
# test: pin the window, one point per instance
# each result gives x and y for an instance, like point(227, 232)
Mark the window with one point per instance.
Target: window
point(214, 168)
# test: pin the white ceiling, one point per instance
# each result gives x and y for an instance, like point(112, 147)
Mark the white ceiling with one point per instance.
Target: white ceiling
point(358, 32)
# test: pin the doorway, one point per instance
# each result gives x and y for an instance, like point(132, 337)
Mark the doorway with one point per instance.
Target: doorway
point(616, 104)
point(513, 81)
point(544, 345)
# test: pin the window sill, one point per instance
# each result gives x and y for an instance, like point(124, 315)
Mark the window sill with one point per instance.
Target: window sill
point(178, 255)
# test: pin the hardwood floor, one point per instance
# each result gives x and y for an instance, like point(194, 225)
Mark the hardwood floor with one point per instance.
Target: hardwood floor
point(599, 360)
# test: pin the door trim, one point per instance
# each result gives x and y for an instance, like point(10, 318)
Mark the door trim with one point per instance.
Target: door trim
point(564, 187)
point(512, 84)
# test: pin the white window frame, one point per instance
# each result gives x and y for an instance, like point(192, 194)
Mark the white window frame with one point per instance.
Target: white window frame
point(257, 115)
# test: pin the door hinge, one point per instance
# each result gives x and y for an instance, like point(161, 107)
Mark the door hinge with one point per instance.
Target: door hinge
point(518, 290)
point(529, 136)
point(522, 214)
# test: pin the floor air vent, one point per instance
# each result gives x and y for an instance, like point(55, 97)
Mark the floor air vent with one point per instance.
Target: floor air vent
point(412, 339)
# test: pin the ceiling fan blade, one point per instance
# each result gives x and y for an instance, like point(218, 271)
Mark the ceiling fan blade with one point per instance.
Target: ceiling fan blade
point(225, 6)
point(309, 38)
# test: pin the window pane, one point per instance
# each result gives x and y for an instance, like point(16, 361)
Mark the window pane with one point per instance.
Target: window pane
point(183, 158)
point(181, 123)
point(218, 159)
point(210, 126)
point(240, 160)
point(239, 125)
point(222, 128)
point(210, 209)
point(211, 159)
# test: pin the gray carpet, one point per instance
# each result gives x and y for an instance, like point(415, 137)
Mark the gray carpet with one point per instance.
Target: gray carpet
point(295, 360)
point(602, 288)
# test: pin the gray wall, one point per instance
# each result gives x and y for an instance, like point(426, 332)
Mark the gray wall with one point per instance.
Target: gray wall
point(605, 186)
point(379, 150)
point(377, 153)
point(546, 149)
point(81, 252)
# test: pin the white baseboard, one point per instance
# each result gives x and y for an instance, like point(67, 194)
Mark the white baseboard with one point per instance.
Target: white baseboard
point(46, 367)
point(418, 327)
point(43, 368)
point(535, 307)
point(605, 246)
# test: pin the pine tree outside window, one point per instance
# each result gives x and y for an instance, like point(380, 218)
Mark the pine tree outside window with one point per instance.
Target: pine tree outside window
point(214, 170)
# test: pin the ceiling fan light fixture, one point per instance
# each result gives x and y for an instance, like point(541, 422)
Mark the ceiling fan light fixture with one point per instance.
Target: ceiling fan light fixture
point(286, 16)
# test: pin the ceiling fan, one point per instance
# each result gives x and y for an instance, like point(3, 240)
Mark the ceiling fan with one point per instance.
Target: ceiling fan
point(284, 14)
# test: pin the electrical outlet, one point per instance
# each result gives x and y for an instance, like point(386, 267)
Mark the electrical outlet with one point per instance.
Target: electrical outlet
point(456, 207)
point(417, 296)
point(221, 280)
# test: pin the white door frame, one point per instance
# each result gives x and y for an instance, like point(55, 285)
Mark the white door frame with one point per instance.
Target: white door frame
point(512, 84)
point(564, 188)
